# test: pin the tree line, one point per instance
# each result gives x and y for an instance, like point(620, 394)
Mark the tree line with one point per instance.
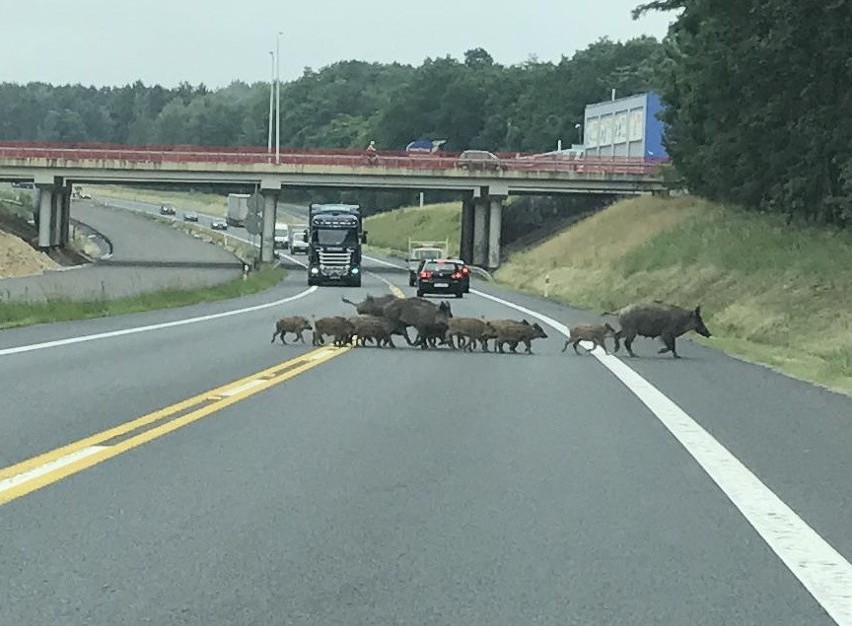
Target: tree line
point(471, 103)
point(759, 103)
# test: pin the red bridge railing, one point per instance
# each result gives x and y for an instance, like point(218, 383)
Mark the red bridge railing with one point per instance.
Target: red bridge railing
point(349, 158)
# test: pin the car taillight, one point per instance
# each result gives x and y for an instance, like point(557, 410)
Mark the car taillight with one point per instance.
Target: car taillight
point(465, 270)
point(425, 274)
point(457, 275)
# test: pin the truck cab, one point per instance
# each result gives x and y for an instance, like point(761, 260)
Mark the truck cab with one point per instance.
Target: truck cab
point(335, 237)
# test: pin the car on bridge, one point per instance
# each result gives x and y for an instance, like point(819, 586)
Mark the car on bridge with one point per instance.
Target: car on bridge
point(441, 276)
point(219, 224)
point(190, 216)
point(479, 160)
point(167, 209)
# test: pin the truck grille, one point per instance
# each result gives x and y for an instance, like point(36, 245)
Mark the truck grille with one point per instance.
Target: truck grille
point(334, 262)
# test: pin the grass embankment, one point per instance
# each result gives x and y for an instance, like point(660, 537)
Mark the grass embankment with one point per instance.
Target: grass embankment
point(770, 293)
point(62, 310)
point(389, 232)
point(209, 203)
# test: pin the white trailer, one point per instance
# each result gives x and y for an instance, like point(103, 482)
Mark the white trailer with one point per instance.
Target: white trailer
point(237, 209)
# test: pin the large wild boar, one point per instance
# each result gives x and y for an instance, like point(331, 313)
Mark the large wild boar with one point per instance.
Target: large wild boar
point(372, 327)
point(295, 324)
point(428, 319)
point(596, 333)
point(337, 327)
point(512, 333)
point(467, 331)
point(371, 305)
point(658, 320)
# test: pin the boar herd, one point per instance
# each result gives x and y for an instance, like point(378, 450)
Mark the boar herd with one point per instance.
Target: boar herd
point(379, 319)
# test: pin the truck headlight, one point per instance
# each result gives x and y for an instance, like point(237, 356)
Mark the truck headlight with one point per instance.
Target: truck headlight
point(314, 270)
point(355, 270)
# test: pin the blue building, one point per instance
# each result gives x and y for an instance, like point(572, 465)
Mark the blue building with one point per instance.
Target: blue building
point(626, 127)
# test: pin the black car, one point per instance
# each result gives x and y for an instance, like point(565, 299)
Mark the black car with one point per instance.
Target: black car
point(190, 216)
point(167, 209)
point(219, 224)
point(441, 276)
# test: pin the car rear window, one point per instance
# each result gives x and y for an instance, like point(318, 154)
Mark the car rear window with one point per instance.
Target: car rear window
point(440, 267)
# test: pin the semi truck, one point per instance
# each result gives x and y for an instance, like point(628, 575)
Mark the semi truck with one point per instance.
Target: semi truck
point(335, 235)
point(237, 209)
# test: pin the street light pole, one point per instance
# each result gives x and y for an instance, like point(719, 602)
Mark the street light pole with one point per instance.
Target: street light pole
point(271, 92)
point(278, 97)
point(579, 128)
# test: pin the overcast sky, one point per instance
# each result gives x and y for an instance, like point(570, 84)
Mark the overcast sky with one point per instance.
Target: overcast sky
point(110, 42)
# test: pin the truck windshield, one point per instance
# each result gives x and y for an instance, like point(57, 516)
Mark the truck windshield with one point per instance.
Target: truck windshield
point(336, 237)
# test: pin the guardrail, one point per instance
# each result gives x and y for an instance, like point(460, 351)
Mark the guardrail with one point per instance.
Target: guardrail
point(347, 158)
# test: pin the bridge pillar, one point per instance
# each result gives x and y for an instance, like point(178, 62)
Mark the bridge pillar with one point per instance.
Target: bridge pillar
point(65, 215)
point(480, 231)
point(466, 244)
point(45, 214)
point(495, 226)
point(267, 236)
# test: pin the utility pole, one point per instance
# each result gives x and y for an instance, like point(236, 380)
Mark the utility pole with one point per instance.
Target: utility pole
point(271, 93)
point(278, 97)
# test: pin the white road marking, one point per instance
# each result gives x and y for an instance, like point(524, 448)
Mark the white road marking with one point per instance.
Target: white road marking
point(151, 327)
point(824, 572)
point(41, 470)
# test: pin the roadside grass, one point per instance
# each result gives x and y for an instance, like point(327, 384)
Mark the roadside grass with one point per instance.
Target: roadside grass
point(770, 293)
point(14, 314)
point(209, 203)
point(389, 232)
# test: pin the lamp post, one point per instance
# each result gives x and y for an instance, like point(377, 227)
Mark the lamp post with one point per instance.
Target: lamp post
point(579, 128)
point(278, 96)
point(271, 93)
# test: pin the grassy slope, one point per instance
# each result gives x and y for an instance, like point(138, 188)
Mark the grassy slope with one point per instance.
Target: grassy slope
point(209, 203)
point(22, 314)
point(769, 292)
point(390, 231)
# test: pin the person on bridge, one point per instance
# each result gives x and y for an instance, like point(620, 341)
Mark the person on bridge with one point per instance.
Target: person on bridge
point(372, 154)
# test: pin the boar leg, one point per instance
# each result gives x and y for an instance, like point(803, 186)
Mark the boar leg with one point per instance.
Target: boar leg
point(670, 346)
point(274, 335)
point(617, 336)
point(528, 345)
point(628, 343)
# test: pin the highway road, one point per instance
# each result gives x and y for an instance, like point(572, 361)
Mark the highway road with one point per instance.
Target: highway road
point(175, 467)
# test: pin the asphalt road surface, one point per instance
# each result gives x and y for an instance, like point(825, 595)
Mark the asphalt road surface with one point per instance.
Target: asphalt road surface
point(283, 484)
point(147, 256)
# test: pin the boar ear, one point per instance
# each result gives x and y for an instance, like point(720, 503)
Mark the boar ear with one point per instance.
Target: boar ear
point(698, 310)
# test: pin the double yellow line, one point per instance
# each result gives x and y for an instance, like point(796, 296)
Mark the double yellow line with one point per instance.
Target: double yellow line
point(27, 476)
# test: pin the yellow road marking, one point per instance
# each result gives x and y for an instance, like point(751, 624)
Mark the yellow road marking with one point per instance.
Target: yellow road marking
point(212, 401)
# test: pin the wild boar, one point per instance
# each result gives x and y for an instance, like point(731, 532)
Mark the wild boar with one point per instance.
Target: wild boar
point(512, 333)
point(372, 327)
point(427, 318)
point(337, 327)
point(295, 324)
point(596, 333)
point(467, 331)
point(658, 320)
point(371, 305)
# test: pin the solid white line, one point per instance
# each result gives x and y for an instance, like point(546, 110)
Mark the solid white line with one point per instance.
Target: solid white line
point(151, 327)
point(41, 470)
point(823, 571)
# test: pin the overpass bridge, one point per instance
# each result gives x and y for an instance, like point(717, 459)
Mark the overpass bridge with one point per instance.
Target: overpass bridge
point(54, 168)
